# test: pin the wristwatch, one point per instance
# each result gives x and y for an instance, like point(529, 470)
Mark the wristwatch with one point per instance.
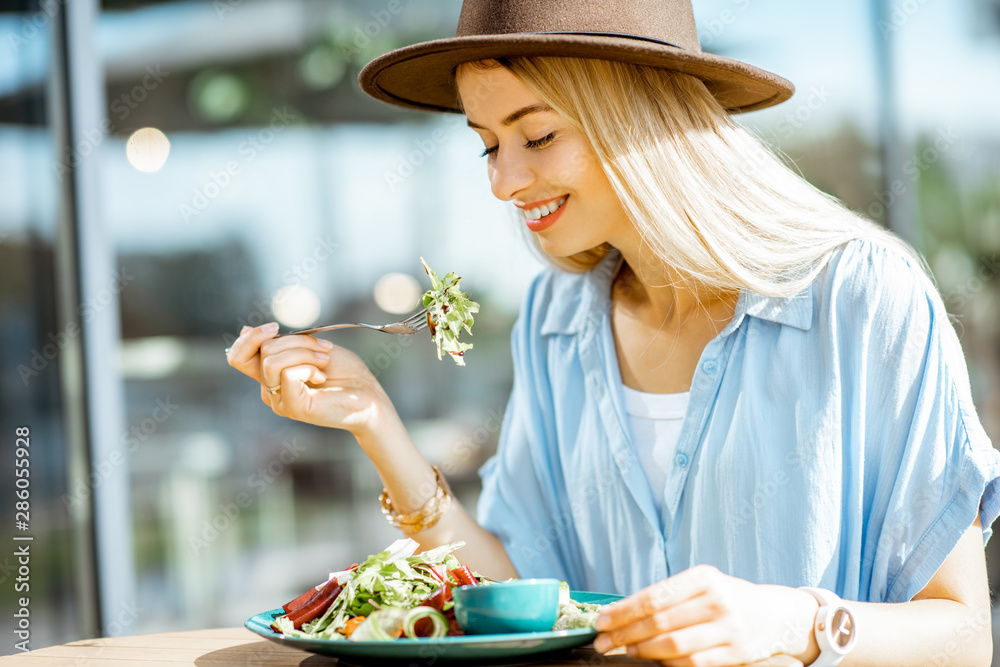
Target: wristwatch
point(834, 628)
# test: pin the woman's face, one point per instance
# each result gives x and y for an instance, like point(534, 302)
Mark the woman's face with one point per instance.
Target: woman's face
point(541, 163)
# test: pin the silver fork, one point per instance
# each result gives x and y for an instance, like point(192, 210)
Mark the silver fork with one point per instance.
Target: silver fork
point(411, 325)
point(415, 323)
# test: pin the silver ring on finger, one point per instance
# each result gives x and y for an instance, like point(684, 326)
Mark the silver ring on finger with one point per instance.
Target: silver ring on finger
point(273, 391)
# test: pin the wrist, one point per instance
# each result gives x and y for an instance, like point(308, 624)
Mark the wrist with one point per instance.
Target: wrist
point(375, 420)
point(799, 640)
point(834, 629)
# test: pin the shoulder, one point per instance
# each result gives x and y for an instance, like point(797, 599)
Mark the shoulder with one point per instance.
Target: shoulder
point(878, 280)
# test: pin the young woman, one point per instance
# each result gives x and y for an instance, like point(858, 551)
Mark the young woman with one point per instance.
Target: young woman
point(736, 401)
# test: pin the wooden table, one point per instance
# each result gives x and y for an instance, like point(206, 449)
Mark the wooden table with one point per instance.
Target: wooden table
point(239, 646)
point(226, 646)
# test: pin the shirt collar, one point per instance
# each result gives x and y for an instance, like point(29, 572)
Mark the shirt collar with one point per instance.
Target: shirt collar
point(579, 299)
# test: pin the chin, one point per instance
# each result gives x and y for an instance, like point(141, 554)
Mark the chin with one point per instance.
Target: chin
point(563, 249)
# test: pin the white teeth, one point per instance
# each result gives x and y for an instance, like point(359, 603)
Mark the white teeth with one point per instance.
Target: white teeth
point(544, 210)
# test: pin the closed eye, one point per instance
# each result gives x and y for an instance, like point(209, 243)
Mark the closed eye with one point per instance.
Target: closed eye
point(534, 143)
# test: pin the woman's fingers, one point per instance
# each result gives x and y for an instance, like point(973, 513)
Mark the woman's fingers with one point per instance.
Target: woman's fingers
point(661, 595)
point(691, 612)
point(706, 639)
point(275, 345)
point(292, 387)
point(273, 365)
point(244, 353)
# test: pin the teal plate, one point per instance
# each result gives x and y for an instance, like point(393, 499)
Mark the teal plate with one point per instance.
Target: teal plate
point(482, 649)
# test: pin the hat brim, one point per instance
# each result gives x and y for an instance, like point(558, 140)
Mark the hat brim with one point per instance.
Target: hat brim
point(421, 76)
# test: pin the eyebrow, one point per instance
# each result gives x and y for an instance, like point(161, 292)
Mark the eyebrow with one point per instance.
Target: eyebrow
point(517, 115)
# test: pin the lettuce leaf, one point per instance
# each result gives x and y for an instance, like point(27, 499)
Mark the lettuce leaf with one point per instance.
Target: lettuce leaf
point(451, 311)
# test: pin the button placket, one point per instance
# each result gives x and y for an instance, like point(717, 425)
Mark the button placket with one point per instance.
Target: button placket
point(704, 387)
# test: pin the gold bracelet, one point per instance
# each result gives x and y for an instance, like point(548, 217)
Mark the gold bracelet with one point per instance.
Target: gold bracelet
point(425, 517)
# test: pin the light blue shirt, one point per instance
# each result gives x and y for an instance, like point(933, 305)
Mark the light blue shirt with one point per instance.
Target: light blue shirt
point(830, 440)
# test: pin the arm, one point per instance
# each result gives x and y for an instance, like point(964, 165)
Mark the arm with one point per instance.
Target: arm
point(326, 385)
point(947, 623)
point(703, 617)
point(410, 482)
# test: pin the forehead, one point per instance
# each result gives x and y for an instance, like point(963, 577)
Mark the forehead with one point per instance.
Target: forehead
point(491, 94)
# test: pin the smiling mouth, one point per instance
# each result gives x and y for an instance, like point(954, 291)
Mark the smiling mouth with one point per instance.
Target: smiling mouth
point(545, 210)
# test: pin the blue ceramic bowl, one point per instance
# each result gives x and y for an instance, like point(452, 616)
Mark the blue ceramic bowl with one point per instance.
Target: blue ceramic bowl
point(524, 605)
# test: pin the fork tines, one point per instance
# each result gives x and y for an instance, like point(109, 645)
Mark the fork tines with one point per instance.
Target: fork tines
point(417, 321)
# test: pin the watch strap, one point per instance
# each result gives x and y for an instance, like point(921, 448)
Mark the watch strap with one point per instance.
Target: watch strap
point(831, 611)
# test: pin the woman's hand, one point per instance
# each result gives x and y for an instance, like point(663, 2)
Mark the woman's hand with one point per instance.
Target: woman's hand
point(705, 618)
point(310, 379)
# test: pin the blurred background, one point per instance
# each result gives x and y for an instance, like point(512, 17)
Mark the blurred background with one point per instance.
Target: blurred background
point(171, 171)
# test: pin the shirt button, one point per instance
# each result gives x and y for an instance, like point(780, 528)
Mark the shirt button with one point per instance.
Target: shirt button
point(681, 459)
point(708, 367)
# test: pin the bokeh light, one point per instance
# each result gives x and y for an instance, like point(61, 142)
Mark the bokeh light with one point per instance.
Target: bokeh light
point(397, 293)
point(295, 306)
point(322, 67)
point(218, 97)
point(147, 149)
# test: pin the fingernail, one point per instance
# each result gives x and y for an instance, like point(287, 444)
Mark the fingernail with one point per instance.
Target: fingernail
point(244, 330)
point(602, 645)
point(323, 355)
point(632, 650)
point(270, 328)
point(325, 344)
point(602, 622)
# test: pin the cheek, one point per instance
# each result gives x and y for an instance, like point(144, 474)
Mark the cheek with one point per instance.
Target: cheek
point(574, 163)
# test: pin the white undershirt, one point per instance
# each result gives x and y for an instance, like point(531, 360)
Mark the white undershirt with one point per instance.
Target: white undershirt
point(655, 420)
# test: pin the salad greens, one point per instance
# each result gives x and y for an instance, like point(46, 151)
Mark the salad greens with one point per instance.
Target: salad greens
point(393, 591)
point(380, 582)
point(573, 614)
point(450, 311)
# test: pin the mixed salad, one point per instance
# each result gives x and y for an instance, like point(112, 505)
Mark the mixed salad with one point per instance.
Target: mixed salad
point(450, 310)
point(398, 593)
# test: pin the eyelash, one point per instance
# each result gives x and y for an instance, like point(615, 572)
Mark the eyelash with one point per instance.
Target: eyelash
point(536, 143)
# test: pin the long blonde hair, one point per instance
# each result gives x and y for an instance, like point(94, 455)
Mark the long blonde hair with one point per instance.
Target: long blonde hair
point(709, 198)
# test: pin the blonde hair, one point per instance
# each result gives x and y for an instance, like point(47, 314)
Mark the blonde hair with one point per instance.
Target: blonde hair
point(709, 199)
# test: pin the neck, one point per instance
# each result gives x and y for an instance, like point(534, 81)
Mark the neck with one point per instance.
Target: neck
point(661, 290)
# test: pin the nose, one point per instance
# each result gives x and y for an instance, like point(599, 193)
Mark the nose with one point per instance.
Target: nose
point(510, 174)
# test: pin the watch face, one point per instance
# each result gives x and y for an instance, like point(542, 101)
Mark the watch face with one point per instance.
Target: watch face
point(842, 628)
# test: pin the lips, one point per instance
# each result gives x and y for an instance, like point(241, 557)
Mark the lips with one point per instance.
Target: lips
point(543, 215)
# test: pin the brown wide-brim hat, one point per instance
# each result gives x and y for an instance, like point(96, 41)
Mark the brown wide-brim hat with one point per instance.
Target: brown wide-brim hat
point(657, 33)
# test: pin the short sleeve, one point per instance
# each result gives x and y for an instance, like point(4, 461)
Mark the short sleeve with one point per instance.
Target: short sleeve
point(519, 501)
point(931, 466)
